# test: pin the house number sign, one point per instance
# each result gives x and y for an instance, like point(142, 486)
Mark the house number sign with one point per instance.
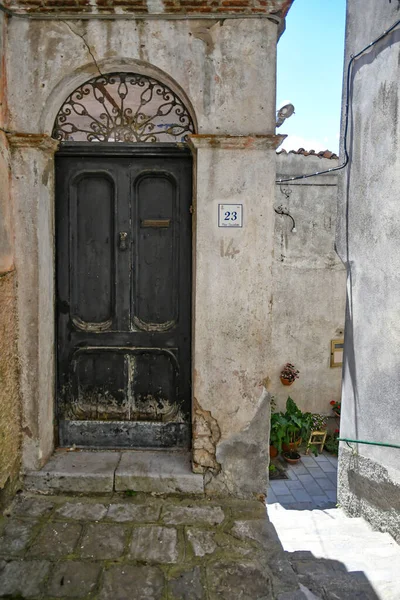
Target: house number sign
point(230, 215)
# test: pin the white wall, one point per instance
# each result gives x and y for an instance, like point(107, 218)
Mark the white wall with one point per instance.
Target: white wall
point(308, 304)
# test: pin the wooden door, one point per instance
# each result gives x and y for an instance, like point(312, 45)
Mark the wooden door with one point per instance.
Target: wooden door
point(123, 244)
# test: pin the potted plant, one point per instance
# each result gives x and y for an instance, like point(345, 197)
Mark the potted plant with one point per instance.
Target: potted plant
point(336, 406)
point(277, 433)
point(332, 442)
point(297, 427)
point(292, 457)
point(289, 374)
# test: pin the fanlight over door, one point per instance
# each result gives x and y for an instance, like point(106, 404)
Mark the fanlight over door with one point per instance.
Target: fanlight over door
point(123, 107)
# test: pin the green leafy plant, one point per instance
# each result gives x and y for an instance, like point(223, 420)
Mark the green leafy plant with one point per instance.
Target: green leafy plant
point(332, 442)
point(272, 469)
point(278, 430)
point(298, 423)
point(289, 372)
point(290, 426)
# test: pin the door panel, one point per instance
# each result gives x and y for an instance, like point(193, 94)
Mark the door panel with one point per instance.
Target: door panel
point(156, 257)
point(92, 272)
point(123, 295)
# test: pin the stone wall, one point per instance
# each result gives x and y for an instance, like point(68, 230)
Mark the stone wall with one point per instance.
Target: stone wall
point(368, 242)
point(9, 396)
point(308, 301)
point(214, 66)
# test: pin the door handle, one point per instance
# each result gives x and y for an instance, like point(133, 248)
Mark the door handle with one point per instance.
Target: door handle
point(123, 240)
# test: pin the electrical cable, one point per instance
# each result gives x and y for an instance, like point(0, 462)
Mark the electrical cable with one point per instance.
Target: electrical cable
point(353, 57)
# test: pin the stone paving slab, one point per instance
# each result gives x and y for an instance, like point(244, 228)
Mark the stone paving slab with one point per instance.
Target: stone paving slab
point(311, 483)
point(141, 547)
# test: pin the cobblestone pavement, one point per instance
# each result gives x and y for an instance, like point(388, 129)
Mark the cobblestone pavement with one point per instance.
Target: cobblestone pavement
point(311, 484)
point(142, 547)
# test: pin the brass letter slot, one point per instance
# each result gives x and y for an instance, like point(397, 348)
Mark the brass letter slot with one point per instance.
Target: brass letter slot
point(155, 223)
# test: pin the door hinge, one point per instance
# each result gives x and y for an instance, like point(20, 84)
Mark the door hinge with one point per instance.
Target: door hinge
point(191, 209)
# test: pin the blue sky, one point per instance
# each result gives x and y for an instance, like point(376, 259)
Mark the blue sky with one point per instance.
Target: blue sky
point(310, 71)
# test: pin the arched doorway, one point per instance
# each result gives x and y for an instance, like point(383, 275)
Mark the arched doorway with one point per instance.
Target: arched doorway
point(123, 256)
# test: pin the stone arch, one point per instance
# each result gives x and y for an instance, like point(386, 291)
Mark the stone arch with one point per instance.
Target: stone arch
point(69, 84)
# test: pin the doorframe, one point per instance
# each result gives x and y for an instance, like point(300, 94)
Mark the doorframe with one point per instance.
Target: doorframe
point(124, 149)
point(33, 193)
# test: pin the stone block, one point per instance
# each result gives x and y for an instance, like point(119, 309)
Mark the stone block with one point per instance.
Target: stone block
point(56, 540)
point(159, 472)
point(187, 586)
point(259, 530)
point(80, 511)
point(31, 507)
point(244, 580)
point(179, 515)
point(86, 472)
point(23, 579)
point(73, 579)
point(201, 541)
point(154, 544)
point(139, 513)
point(103, 541)
point(127, 581)
point(15, 537)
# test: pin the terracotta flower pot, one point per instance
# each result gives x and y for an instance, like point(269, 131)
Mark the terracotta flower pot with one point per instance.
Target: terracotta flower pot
point(273, 452)
point(286, 381)
point(292, 457)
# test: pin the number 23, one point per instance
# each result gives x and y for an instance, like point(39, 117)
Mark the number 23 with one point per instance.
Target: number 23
point(230, 216)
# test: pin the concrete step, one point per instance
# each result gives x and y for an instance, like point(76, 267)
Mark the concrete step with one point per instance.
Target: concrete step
point(158, 472)
point(338, 557)
point(100, 472)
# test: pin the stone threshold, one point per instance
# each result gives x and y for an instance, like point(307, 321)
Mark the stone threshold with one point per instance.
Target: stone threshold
point(86, 472)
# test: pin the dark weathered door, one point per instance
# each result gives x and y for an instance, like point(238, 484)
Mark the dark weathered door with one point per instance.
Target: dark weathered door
point(123, 229)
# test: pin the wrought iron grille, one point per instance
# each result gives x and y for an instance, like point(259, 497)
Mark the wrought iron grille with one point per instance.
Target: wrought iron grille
point(123, 107)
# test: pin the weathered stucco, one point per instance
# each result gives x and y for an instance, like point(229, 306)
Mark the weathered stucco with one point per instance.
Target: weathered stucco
point(232, 323)
point(216, 63)
point(10, 436)
point(368, 241)
point(309, 284)
point(224, 71)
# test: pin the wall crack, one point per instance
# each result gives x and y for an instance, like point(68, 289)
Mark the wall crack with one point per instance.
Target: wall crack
point(86, 44)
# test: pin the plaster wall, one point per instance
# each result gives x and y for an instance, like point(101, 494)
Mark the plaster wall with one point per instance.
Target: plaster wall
point(215, 67)
point(9, 394)
point(309, 283)
point(217, 64)
point(368, 242)
point(232, 313)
